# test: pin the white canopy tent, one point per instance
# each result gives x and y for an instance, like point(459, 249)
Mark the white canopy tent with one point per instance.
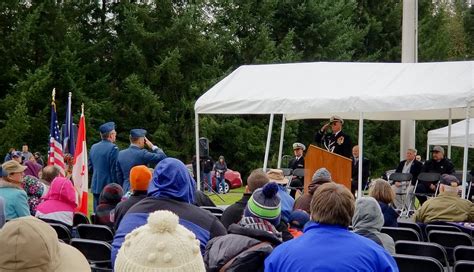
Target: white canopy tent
point(440, 136)
point(375, 91)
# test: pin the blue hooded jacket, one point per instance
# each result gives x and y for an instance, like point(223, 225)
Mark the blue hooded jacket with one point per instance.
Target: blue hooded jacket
point(172, 188)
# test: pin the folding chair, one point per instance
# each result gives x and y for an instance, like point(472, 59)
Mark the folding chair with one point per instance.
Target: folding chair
point(299, 172)
point(64, 233)
point(408, 263)
point(425, 178)
point(464, 266)
point(216, 211)
point(401, 234)
point(97, 253)
point(449, 240)
point(458, 175)
point(431, 227)
point(405, 179)
point(287, 171)
point(413, 226)
point(425, 249)
point(463, 253)
point(80, 218)
point(95, 232)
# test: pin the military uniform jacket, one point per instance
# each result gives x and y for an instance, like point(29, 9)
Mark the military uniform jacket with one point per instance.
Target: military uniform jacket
point(134, 156)
point(102, 160)
point(340, 143)
point(294, 163)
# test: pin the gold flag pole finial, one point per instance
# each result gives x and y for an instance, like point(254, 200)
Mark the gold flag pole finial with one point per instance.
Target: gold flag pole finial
point(53, 94)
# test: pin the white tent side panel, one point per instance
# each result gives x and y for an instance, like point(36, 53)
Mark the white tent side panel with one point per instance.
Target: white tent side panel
point(383, 91)
point(458, 131)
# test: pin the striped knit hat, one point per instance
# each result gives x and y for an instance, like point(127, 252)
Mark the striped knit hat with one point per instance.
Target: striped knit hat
point(265, 204)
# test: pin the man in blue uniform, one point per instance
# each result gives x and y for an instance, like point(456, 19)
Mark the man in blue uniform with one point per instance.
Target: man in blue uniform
point(136, 154)
point(102, 160)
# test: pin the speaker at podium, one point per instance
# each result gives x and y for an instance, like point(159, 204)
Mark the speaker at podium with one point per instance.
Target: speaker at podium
point(203, 147)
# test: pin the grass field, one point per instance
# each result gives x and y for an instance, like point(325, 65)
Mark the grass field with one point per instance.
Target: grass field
point(230, 198)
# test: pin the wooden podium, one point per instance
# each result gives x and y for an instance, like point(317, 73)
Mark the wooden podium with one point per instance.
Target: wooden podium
point(339, 166)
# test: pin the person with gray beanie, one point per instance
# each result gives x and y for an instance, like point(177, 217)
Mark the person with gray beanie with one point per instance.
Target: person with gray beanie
point(368, 221)
point(321, 176)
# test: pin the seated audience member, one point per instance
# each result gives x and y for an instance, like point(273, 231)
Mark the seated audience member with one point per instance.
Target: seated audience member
point(160, 245)
point(140, 177)
point(28, 244)
point(171, 188)
point(321, 176)
point(108, 200)
point(34, 190)
point(447, 206)
point(32, 167)
point(408, 166)
point(2, 212)
point(368, 222)
point(233, 213)
point(383, 193)
point(437, 164)
point(59, 203)
point(16, 200)
point(298, 220)
point(48, 174)
point(327, 244)
point(287, 201)
point(355, 170)
point(251, 240)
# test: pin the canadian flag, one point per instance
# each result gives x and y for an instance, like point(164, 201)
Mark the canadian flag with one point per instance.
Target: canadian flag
point(80, 174)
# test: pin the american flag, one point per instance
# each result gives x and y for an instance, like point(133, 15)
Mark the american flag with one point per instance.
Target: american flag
point(55, 154)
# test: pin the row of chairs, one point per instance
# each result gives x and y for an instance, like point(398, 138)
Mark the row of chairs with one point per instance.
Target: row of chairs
point(85, 231)
point(414, 232)
point(410, 263)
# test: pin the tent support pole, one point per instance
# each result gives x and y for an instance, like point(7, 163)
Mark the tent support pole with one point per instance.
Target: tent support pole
point(361, 154)
point(198, 165)
point(282, 136)
point(267, 147)
point(450, 122)
point(427, 150)
point(466, 150)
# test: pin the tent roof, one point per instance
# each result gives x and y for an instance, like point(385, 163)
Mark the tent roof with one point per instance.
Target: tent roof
point(458, 131)
point(383, 91)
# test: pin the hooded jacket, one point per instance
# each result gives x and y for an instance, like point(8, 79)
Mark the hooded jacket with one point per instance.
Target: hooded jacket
point(16, 203)
point(59, 203)
point(171, 188)
point(368, 221)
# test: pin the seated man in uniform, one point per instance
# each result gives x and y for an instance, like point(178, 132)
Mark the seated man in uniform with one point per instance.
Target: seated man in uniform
point(297, 163)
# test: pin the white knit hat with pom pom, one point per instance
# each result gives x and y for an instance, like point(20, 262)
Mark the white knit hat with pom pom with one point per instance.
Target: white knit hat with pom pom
point(160, 245)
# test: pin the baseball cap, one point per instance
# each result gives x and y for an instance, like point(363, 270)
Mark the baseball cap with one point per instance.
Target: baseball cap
point(438, 149)
point(448, 180)
point(12, 166)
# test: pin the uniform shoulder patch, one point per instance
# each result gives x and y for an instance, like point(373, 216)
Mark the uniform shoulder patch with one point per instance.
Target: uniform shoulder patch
point(340, 140)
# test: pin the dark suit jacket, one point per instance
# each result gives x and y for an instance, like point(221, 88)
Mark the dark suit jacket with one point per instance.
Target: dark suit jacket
point(365, 169)
point(415, 169)
point(340, 144)
point(293, 164)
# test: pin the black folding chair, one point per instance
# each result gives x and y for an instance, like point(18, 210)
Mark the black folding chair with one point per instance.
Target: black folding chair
point(64, 233)
point(413, 226)
point(216, 211)
point(95, 232)
point(464, 266)
point(449, 240)
point(287, 171)
point(97, 253)
point(458, 175)
point(80, 218)
point(431, 227)
point(464, 253)
point(409, 263)
point(401, 233)
point(405, 179)
point(425, 249)
point(425, 178)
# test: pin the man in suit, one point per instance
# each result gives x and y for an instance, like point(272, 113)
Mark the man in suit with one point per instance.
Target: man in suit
point(410, 166)
point(102, 160)
point(297, 162)
point(337, 141)
point(355, 170)
point(136, 154)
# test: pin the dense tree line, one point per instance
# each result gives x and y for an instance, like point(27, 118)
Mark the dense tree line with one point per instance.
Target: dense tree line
point(144, 65)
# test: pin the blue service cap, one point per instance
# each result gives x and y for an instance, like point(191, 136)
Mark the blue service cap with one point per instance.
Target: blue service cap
point(137, 132)
point(107, 127)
